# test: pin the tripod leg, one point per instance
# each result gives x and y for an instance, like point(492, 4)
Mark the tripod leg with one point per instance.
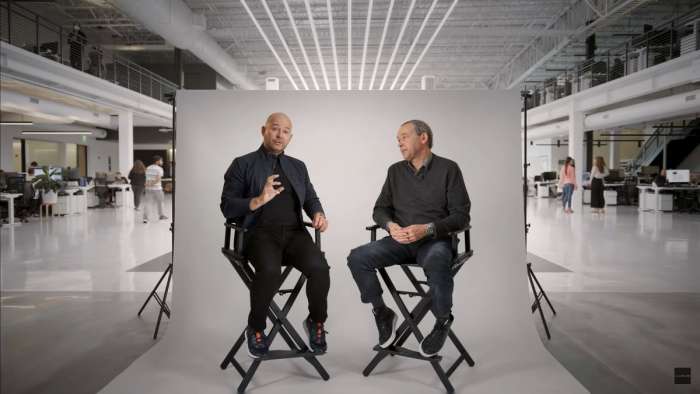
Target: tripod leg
point(537, 300)
point(165, 298)
point(154, 290)
point(544, 294)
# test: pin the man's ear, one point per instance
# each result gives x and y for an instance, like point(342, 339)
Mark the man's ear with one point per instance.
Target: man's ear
point(262, 130)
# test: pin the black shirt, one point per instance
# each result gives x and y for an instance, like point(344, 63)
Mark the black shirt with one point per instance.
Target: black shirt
point(434, 194)
point(284, 209)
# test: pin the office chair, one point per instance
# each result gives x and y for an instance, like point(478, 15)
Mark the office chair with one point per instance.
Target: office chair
point(409, 327)
point(278, 316)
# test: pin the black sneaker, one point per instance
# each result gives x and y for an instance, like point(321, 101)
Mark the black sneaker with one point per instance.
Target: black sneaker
point(257, 343)
point(386, 325)
point(317, 335)
point(432, 344)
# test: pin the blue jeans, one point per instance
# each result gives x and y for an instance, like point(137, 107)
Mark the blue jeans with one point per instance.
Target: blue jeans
point(567, 195)
point(433, 255)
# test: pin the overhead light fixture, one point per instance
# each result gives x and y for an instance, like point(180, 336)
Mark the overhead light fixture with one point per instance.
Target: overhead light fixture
point(56, 132)
point(165, 129)
point(16, 123)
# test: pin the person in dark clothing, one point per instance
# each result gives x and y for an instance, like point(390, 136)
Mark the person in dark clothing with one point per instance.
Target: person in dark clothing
point(137, 178)
point(660, 179)
point(423, 199)
point(598, 174)
point(77, 42)
point(265, 192)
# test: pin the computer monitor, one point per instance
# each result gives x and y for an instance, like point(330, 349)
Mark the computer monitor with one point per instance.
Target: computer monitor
point(57, 173)
point(678, 176)
point(15, 182)
point(549, 175)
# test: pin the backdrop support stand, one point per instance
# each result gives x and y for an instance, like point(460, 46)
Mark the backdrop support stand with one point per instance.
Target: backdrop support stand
point(162, 302)
point(536, 305)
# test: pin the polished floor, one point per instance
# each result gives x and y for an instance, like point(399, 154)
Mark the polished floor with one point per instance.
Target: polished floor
point(626, 287)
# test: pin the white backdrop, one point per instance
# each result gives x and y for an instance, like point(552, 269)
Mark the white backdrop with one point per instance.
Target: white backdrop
point(347, 141)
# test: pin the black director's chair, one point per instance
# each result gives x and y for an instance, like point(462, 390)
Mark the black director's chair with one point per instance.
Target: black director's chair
point(413, 318)
point(278, 316)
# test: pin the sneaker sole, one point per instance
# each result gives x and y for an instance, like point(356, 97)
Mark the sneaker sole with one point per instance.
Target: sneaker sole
point(391, 339)
point(251, 355)
point(420, 350)
point(308, 334)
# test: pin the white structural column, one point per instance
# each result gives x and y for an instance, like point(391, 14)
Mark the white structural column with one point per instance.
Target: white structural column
point(126, 142)
point(576, 152)
point(614, 158)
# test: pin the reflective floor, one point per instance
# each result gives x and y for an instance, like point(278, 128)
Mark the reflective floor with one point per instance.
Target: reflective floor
point(626, 287)
point(87, 252)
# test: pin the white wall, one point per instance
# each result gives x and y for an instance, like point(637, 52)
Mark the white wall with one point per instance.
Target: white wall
point(99, 152)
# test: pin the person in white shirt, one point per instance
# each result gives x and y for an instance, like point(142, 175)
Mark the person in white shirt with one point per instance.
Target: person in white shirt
point(598, 172)
point(154, 189)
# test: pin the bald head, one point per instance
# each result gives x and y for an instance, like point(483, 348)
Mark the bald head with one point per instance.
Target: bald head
point(279, 118)
point(277, 132)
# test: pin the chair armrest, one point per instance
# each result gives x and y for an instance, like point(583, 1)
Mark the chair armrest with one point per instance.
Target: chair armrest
point(317, 234)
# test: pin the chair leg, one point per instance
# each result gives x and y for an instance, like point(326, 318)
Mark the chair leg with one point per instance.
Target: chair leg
point(443, 377)
point(248, 376)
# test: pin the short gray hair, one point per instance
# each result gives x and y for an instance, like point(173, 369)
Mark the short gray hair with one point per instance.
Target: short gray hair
point(421, 128)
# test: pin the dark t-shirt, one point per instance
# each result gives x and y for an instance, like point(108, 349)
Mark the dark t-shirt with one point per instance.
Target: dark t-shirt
point(284, 209)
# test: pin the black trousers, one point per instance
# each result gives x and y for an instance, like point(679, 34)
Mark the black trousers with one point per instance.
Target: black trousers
point(138, 193)
point(268, 248)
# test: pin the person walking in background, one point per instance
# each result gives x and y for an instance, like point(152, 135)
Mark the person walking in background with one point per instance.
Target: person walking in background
point(598, 172)
point(567, 180)
point(154, 189)
point(137, 176)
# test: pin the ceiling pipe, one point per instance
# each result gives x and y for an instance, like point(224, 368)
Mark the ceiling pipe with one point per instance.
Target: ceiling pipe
point(178, 25)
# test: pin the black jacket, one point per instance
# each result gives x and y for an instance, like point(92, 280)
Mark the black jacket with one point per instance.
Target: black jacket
point(245, 179)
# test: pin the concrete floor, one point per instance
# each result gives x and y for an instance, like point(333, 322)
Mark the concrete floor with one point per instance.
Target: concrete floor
point(626, 287)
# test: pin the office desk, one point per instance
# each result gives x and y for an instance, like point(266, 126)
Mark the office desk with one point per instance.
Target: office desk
point(542, 188)
point(609, 193)
point(651, 200)
point(125, 190)
point(10, 198)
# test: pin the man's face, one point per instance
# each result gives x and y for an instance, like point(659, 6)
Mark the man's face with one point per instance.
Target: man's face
point(277, 133)
point(410, 143)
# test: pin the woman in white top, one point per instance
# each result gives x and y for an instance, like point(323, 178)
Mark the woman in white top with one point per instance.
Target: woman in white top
point(598, 172)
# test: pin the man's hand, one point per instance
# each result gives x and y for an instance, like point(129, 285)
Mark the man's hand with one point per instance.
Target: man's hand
point(269, 192)
point(416, 232)
point(398, 233)
point(320, 222)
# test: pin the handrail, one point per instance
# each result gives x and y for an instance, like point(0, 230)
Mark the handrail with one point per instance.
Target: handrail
point(643, 51)
point(28, 30)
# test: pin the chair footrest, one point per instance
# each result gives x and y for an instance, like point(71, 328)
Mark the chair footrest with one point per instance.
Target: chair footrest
point(401, 351)
point(409, 293)
point(280, 354)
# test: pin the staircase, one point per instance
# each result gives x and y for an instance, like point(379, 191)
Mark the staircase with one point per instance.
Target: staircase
point(679, 145)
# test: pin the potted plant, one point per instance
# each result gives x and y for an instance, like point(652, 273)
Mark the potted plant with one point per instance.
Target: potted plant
point(47, 185)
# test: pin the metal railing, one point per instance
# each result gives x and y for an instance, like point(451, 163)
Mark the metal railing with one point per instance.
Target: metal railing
point(25, 29)
point(667, 41)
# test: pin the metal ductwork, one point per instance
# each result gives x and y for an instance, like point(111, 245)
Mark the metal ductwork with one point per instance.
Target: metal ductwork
point(52, 111)
point(664, 108)
point(179, 26)
point(548, 130)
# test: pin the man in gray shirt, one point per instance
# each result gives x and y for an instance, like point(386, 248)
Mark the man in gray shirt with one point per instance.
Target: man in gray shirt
point(422, 201)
